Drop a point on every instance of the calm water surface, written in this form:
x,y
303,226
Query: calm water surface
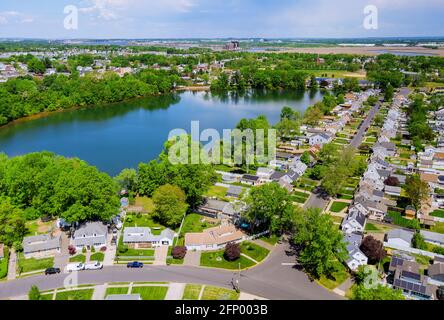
x,y
122,135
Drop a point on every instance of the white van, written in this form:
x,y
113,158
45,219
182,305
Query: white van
x,y
75,267
94,265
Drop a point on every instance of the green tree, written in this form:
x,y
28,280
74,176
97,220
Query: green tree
x,y
418,241
34,293
323,248
380,292
127,179
305,158
417,191
12,224
170,205
388,93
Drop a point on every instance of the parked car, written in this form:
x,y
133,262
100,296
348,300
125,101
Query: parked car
x,y
75,267
52,271
93,266
134,264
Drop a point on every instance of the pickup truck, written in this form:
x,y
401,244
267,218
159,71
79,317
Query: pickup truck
x,y
93,265
75,267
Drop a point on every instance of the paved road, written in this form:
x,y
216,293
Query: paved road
x,y
359,136
270,279
317,199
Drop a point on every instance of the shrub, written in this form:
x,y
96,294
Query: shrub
x,y
373,249
34,293
72,250
84,250
103,249
123,249
392,181
232,251
179,252
93,249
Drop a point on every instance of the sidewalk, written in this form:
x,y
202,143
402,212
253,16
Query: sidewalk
x,y
175,291
99,292
12,273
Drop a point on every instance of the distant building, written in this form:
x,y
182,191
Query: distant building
x,y
232,45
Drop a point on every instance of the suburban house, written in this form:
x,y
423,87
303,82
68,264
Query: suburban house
x,y
356,257
436,272
250,180
407,277
90,234
353,222
40,246
433,237
264,173
234,191
213,238
217,209
142,237
399,237
319,139
298,166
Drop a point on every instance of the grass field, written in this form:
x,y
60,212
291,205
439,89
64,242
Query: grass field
x,y
335,280
191,292
254,251
145,202
217,191
78,258
196,223
143,220
85,294
338,206
214,293
151,292
438,213
98,256
216,259
117,290
31,264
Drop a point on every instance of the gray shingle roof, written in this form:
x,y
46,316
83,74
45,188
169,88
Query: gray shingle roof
x,y
41,242
90,233
144,234
432,236
400,234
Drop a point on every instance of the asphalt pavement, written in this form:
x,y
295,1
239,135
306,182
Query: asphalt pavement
x,y
275,278
359,136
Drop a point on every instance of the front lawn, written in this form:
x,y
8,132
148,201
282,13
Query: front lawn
x,y
78,258
85,294
116,290
254,251
32,264
438,213
98,256
335,280
338,206
216,259
136,253
371,227
170,259
150,292
215,293
191,292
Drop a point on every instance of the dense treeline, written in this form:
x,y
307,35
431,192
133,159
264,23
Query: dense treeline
x,y
44,184
26,96
419,129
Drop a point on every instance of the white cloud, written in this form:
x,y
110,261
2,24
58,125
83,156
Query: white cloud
x,y
7,17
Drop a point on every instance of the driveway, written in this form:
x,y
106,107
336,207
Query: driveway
x,y
318,199
160,255
272,279
359,136
192,258
61,259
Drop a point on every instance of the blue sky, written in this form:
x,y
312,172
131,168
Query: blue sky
x,y
220,18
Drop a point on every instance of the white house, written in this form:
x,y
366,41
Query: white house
x,y
298,166
90,234
399,237
356,257
41,246
142,237
353,222
319,138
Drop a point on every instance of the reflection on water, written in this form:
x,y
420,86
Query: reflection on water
x,y
121,135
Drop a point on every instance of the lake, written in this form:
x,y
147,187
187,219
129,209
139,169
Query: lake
x,y
122,135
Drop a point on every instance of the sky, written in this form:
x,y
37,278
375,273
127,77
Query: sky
x,y
220,18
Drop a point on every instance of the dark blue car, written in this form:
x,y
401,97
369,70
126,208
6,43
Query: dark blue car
x,y
134,264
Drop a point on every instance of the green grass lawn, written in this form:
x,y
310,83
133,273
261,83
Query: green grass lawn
x,y
145,202
117,290
217,191
98,256
273,239
47,296
78,258
399,220
151,292
85,294
335,280
298,199
254,251
143,220
137,253
438,227
338,206
31,264
216,259
191,292
195,223
4,264
438,213
215,293
371,227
